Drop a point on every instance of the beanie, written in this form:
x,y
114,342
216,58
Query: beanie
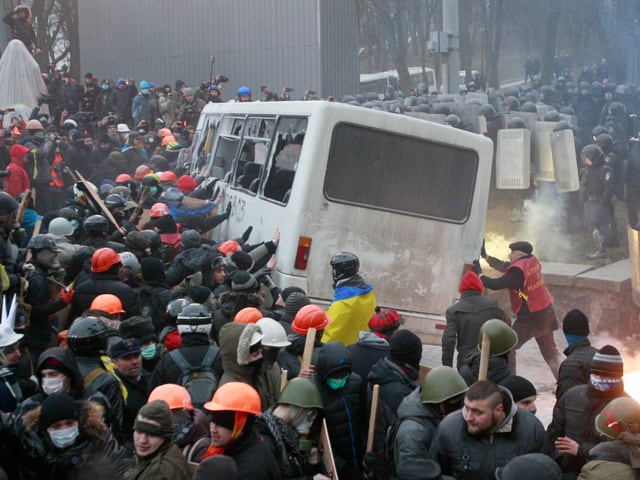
x,y
244,282
115,158
531,466
384,320
139,327
471,281
519,387
188,91
190,239
608,362
199,293
166,224
405,347
154,418
219,466
179,83
152,269
186,184
575,323
242,260
289,290
295,301
56,407
52,363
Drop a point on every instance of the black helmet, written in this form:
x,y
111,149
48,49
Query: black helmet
x,y
516,122
597,130
114,200
570,85
70,214
175,306
344,265
487,111
529,107
604,141
552,116
442,109
616,109
154,239
592,152
512,103
88,337
567,111
173,196
582,85
42,242
453,120
96,223
561,125
8,204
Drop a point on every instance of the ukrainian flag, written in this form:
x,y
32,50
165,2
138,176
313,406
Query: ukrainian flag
x,y
350,312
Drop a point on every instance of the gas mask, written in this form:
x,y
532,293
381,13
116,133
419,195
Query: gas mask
x,y
302,419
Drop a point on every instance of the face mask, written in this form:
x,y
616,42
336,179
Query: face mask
x,y
39,136
256,365
304,418
337,384
149,352
153,190
75,224
145,91
105,87
270,355
604,384
53,385
453,404
65,437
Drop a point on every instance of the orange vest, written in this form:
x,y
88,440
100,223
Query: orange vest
x,y
534,292
56,171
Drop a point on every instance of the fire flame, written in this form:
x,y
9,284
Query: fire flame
x,y
632,384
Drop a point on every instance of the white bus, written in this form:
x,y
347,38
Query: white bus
x,y
408,196
378,82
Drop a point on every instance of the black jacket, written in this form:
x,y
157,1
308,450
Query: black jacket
x,y
189,261
366,352
576,368
253,458
99,283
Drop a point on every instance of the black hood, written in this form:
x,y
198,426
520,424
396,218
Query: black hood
x,y
333,356
68,359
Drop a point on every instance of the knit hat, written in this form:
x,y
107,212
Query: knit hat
x,y
524,247
166,224
137,241
190,239
56,407
575,323
219,466
419,469
52,363
519,387
289,290
224,418
115,158
608,362
244,282
179,83
140,327
127,346
294,302
384,320
186,184
242,260
531,466
405,347
188,91
152,269
471,281
154,418
199,293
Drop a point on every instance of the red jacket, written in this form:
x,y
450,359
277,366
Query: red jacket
x,y
534,291
18,181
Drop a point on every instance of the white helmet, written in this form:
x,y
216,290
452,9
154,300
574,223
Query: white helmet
x,y
7,335
274,334
194,318
79,193
128,259
60,226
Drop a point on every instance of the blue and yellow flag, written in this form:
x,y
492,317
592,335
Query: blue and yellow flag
x,y
350,312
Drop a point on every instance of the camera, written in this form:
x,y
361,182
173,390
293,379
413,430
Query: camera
x,y
4,173
46,98
220,78
288,89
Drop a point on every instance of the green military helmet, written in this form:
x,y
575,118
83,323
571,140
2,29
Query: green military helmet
x,y
621,414
503,338
441,384
301,392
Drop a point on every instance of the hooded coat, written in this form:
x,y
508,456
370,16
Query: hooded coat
x,y
18,180
95,453
166,463
367,351
235,342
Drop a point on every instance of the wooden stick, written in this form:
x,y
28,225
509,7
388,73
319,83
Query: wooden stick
x,y
283,379
97,201
484,357
36,231
327,452
133,218
308,349
372,416
23,205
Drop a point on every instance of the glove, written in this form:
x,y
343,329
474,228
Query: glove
x,y
477,269
228,210
66,295
483,252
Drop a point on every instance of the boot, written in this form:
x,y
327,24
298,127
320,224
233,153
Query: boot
x,y
599,251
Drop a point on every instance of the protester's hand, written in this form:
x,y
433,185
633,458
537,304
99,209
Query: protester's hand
x,y
483,251
477,269
66,295
320,476
307,372
273,261
276,237
228,210
567,446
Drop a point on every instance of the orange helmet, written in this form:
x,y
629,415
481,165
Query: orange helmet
x,y
103,259
235,397
168,176
230,246
62,338
123,178
176,396
141,171
107,303
310,316
159,210
163,132
167,140
248,315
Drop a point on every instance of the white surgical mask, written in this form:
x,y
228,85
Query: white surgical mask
x,y
303,419
53,385
64,437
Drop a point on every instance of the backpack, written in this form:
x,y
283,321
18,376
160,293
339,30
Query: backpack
x,y
383,467
201,381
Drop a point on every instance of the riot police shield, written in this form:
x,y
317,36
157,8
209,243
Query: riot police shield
x,y
543,109
482,97
432,117
513,159
565,166
542,155
572,120
528,117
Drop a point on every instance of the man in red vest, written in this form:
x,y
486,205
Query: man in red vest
x,y
530,300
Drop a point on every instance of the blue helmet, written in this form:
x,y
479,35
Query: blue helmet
x,y
215,87
244,91
145,84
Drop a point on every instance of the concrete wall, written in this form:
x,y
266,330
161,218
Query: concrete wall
x,y
298,43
